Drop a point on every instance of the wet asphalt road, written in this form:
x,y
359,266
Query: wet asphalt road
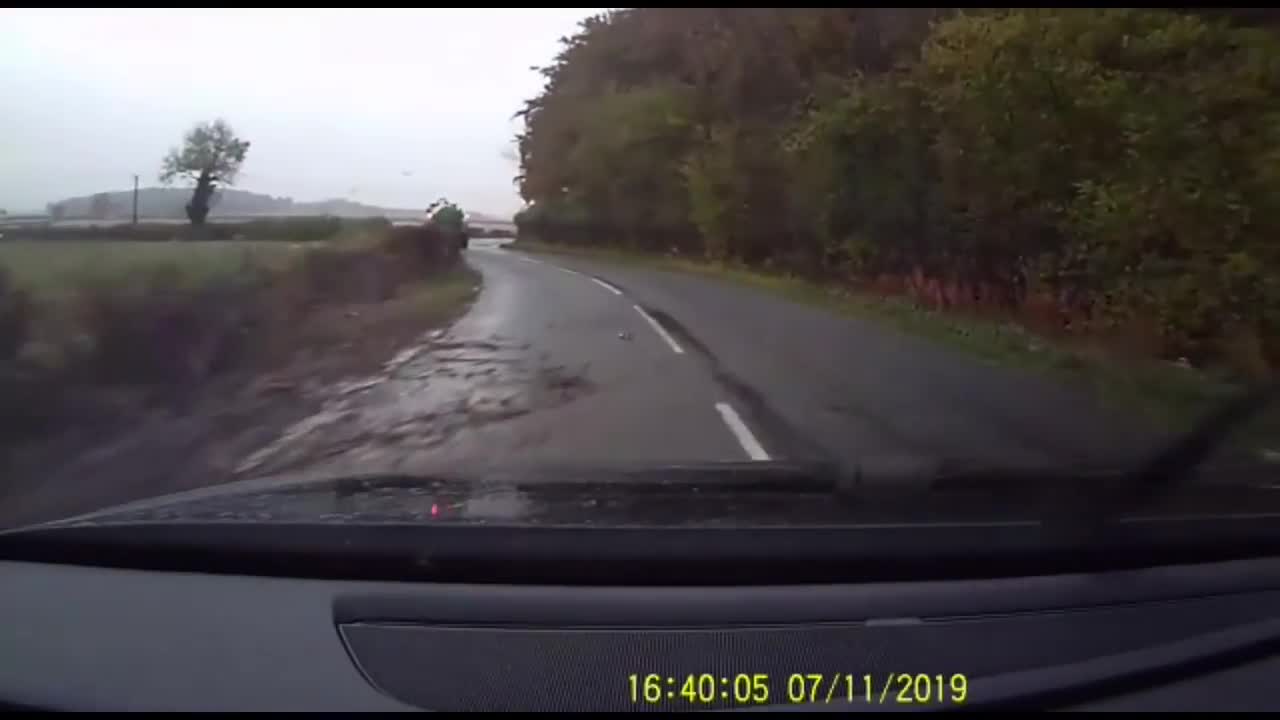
x,y
566,361
836,387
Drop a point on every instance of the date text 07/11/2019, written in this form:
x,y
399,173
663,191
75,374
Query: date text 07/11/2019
x,y
795,688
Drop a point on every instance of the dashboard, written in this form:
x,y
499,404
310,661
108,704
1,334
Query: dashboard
x,y
1176,637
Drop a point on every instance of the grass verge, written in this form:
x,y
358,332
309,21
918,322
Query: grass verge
x,y
1165,395
133,444
52,270
416,307
158,321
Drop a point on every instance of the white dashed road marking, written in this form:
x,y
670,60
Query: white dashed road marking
x,y
732,420
606,286
741,432
662,332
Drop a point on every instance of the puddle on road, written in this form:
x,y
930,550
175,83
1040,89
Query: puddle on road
x,y
423,396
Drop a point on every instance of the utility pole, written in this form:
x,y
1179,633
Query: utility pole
x,y
135,199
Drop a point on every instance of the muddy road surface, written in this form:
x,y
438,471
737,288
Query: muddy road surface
x,y
549,366
566,361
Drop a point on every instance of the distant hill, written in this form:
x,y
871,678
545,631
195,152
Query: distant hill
x,y
162,202
479,217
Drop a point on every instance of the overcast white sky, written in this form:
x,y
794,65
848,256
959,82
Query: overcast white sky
x,y
388,107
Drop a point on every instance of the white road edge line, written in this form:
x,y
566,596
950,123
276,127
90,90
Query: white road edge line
x,y
741,431
528,259
565,269
606,286
675,347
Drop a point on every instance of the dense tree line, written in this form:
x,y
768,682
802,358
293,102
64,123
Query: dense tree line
x,y
1113,171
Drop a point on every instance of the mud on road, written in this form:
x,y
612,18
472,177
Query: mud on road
x,y
339,403
421,399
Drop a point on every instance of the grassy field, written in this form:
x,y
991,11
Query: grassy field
x,y
1167,395
85,282
51,261
52,270
102,327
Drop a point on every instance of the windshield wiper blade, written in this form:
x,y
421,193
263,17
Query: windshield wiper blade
x,y
1181,458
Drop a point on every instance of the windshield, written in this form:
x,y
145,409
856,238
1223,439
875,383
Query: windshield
x,y
463,246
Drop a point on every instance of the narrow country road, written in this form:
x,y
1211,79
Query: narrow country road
x,y
566,361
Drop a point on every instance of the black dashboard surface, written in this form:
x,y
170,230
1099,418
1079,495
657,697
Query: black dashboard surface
x,y
82,637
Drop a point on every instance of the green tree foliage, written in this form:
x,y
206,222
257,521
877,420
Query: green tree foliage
x,y
444,220
211,155
1121,165
446,216
1131,155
